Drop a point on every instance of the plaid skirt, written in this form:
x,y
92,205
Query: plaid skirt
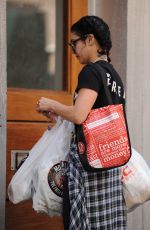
x,y
96,198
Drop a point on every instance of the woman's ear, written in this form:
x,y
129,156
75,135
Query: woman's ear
x,y
91,39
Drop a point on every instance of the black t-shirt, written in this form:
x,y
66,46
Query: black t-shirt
x,y
90,79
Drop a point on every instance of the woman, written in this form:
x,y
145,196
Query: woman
x,y
95,198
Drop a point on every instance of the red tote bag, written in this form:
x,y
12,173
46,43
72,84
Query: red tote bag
x,y
103,138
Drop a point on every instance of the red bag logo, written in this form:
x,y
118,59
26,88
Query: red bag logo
x,y
56,177
81,147
126,172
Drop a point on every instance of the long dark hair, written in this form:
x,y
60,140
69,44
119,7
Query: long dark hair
x,y
96,26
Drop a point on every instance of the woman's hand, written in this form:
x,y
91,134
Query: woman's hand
x,y
44,104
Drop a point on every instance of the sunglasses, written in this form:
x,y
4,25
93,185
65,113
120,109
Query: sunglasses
x,y
73,42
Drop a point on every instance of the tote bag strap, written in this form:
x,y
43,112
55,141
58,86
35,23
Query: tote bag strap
x,y
100,71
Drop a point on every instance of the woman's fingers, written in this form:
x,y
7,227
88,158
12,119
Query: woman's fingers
x,y
52,116
43,104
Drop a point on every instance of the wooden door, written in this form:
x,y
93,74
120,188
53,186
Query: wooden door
x,y
25,126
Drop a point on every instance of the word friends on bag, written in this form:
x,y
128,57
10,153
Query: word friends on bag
x,y
115,149
56,177
114,145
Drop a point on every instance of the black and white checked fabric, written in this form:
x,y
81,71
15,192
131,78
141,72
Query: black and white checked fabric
x,y
96,198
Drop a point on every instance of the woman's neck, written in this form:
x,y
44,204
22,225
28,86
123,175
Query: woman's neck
x,y
101,58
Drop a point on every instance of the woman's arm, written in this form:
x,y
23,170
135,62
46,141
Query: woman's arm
x,y
76,113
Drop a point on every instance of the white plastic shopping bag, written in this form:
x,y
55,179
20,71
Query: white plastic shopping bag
x,y
49,173
136,181
21,186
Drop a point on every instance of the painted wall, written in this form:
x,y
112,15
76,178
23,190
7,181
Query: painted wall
x,y
138,91
114,12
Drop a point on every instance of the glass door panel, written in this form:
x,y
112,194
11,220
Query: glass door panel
x,y
35,44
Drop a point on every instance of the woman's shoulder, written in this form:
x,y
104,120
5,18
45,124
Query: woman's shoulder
x,y
88,78
87,69
92,67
